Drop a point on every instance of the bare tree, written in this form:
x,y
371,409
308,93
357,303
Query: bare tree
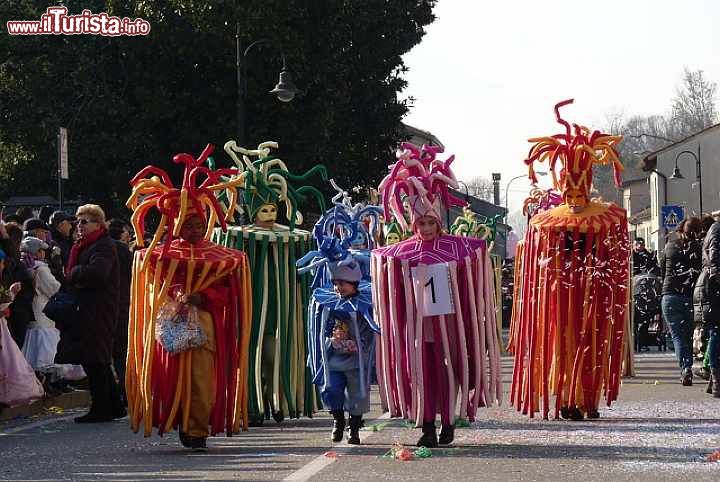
x,y
480,187
518,221
693,108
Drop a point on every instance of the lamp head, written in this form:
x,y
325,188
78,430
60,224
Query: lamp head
x,y
285,89
677,175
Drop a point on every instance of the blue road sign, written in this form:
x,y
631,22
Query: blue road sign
x,y
672,216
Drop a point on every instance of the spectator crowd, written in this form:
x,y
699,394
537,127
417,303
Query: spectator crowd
x,y
65,281
681,290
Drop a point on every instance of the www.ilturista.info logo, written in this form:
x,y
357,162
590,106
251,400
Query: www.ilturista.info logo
x,y
56,21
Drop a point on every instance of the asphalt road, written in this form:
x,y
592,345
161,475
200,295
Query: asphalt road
x,y
657,431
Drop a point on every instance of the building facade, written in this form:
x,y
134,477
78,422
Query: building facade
x,y
696,154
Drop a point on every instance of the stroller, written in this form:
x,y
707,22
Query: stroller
x,y
648,324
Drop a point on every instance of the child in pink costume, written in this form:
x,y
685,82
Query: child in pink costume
x,y
433,300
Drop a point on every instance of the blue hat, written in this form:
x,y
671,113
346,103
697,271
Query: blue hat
x,y
342,264
345,270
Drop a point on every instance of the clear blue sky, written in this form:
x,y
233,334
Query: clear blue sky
x,y
487,74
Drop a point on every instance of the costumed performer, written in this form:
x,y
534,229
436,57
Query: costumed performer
x,y
393,233
573,309
356,225
539,200
341,336
190,309
279,381
433,301
470,224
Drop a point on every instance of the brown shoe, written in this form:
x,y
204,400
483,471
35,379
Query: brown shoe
x,y
686,379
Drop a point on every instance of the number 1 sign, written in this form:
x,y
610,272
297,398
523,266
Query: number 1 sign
x,y
434,282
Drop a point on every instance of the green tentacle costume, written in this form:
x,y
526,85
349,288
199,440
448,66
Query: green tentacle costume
x,y
469,224
279,381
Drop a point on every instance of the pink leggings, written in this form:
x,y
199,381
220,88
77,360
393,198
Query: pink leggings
x,y
435,384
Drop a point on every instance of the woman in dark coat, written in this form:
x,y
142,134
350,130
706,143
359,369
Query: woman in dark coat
x,y
93,276
679,267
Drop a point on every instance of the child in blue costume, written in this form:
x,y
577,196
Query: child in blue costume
x,y
341,339
357,226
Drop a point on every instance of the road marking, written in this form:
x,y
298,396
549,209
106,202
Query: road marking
x,y
33,425
320,462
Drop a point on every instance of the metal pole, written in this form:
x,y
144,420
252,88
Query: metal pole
x,y
240,90
59,173
699,178
507,186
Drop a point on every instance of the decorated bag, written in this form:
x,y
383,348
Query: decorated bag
x,y
342,341
177,327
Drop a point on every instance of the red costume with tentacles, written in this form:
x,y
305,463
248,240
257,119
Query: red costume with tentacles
x,y
202,390
571,320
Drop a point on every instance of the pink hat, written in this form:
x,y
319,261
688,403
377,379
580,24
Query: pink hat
x,y
422,181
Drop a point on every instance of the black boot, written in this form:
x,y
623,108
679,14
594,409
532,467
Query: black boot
x,y
429,436
715,379
447,434
197,444
571,413
356,422
99,396
593,414
338,425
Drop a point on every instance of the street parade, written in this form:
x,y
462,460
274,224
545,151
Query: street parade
x,y
198,282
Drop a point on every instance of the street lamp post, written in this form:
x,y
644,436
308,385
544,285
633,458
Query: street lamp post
x,y
507,187
285,89
677,175
467,191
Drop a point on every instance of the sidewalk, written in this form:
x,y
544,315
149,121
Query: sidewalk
x,y
62,402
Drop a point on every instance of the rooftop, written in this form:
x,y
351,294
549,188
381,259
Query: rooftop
x,y
649,161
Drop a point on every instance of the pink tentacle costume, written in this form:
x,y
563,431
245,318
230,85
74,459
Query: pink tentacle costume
x,y
433,299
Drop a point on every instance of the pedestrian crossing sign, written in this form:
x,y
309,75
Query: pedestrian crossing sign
x,y
672,216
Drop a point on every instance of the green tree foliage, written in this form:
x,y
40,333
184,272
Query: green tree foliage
x,y
131,101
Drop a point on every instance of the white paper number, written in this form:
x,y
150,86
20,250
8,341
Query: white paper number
x,y
434,282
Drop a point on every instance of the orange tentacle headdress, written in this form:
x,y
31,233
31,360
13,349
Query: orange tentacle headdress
x,y
152,188
577,150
